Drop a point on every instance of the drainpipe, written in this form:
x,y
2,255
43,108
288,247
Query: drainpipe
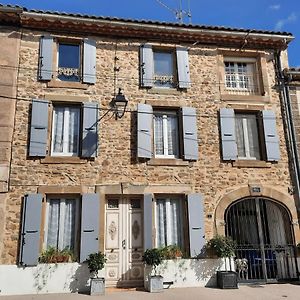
x,y
289,124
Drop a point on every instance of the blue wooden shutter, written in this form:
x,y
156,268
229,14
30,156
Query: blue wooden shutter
x,y
89,130
196,224
148,224
271,137
227,123
184,80
30,231
89,225
190,140
46,58
146,67
39,128
144,128
89,61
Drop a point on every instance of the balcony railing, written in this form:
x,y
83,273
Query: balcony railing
x,y
68,74
240,84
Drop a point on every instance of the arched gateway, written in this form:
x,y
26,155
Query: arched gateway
x,y
265,247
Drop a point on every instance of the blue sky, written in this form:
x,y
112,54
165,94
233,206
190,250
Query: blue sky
x,y
254,14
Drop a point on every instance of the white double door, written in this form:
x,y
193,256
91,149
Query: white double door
x,y
124,241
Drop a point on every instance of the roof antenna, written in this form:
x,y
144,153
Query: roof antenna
x,y
179,13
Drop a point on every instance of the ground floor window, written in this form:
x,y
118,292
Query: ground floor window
x,y
61,223
169,223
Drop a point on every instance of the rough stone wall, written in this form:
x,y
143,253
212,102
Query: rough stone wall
x,y
117,160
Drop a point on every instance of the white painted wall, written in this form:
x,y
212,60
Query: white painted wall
x,y
44,278
190,272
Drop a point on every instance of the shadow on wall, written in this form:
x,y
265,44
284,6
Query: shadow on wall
x,y
80,280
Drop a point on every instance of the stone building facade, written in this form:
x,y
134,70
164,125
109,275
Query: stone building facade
x,y
134,184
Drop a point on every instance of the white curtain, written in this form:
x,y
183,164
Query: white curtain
x,y
73,130
253,136
175,218
53,223
158,135
161,222
69,224
240,136
58,137
172,135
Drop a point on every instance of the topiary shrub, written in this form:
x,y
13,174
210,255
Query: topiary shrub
x,y
96,262
153,257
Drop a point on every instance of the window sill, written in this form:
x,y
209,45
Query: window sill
x,y
167,91
251,164
252,98
62,160
167,162
64,84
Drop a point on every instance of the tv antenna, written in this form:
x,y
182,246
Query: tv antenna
x,y
180,13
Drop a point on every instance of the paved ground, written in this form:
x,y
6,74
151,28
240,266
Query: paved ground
x,y
253,292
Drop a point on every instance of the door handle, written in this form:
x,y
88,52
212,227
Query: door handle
x,y
124,244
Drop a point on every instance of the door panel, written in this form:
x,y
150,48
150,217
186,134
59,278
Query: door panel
x,y
124,242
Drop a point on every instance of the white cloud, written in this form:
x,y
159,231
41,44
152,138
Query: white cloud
x,y
274,7
281,23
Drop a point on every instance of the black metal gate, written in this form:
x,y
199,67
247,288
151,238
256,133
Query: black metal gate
x,y
262,230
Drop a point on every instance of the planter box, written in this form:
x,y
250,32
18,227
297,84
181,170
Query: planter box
x,y
155,284
97,286
227,280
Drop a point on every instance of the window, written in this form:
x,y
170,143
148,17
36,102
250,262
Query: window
x,y
62,220
247,136
164,75
68,57
240,77
164,68
65,131
166,139
169,225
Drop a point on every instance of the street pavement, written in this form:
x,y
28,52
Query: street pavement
x,y
288,291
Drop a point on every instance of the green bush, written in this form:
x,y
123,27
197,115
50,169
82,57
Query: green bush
x,y
96,262
153,257
223,246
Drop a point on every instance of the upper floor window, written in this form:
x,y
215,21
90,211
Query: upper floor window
x,y
241,76
164,68
166,134
69,62
65,131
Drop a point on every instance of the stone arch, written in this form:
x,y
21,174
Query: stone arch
x,y
280,197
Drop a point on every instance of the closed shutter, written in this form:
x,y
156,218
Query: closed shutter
x,y
228,137
148,224
89,225
38,128
30,231
90,130
183,68
196,224
89,61
46,58
271,137
190,140
146,67
144,129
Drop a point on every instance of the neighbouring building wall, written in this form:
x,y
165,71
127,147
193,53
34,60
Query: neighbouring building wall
x,y
9,61
117,162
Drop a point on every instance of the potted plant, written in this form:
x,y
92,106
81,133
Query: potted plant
x,y
96,263
53,255
224,247
153,257
171,252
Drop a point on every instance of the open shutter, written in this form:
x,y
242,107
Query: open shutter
x,y
148,221
46,58
146,67
227,123
271,137
30,232
90,130
39,128
89,61
190,140
184,80
196,224
89,225
144,128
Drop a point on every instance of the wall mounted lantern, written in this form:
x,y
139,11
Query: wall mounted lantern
x,y
119,104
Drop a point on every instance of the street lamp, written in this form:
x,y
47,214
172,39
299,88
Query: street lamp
x,y
118,105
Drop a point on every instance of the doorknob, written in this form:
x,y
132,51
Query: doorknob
x,y
124,244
